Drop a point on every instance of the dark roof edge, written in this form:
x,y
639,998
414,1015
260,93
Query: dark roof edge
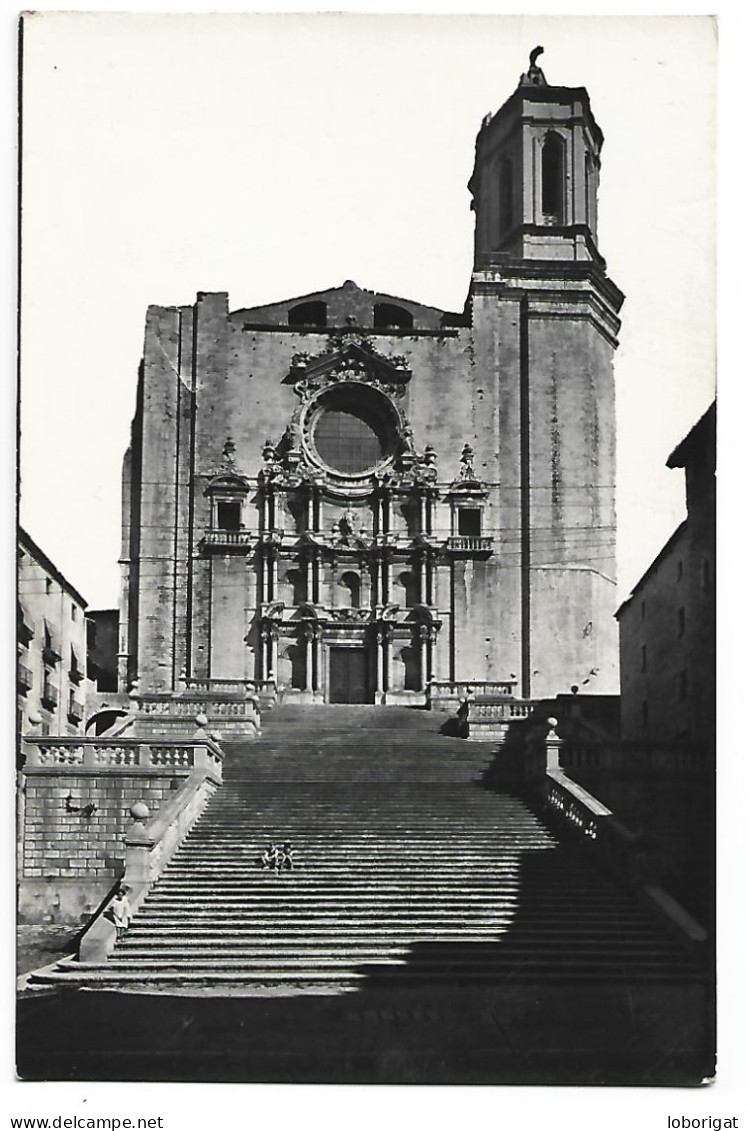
x,y
682,453
674,537
36,551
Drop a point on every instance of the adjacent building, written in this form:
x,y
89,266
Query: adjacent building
x,y
350,496
51,646
667,625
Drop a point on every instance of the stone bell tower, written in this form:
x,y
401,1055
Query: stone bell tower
x,y
545,321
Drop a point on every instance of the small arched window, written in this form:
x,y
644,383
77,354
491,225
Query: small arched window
x,y
387,314
308,314
553,179
350,582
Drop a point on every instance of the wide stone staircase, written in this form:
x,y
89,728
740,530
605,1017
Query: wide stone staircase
x,y
407,871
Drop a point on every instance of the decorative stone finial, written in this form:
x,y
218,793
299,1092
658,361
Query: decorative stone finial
x,y
201,720
534,75
467,470
139,811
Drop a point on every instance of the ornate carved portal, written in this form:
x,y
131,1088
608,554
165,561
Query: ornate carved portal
x,y
345,553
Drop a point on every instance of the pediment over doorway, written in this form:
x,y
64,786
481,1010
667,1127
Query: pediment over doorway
x,y
347,361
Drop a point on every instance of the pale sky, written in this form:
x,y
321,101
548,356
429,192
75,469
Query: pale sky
x,y
274,155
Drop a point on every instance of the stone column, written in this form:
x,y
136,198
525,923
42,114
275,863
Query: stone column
x,y
429,569
309,570
386,577
423,658
272,672
273,578
388,658
380,665
308,637
385,529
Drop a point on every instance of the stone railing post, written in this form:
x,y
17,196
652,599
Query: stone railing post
x,y
552,746
138,846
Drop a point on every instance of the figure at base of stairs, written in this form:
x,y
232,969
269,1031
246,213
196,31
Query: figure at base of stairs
x,y
119,911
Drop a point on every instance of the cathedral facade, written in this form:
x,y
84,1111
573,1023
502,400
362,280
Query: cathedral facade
x,y
353,497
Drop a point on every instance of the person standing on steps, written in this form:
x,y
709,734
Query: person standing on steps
x,y
121,912
463,712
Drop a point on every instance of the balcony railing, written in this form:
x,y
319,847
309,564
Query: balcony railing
x,y
25,679
50,696
50,653
227,539
470,544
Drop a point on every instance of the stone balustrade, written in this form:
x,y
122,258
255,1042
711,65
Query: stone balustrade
x,y
443,695
623,759
577,812
231,706
99,754
74,802
470,544
149,846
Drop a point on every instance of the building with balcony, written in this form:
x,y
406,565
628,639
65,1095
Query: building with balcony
x,y
350,496
51,645
667,624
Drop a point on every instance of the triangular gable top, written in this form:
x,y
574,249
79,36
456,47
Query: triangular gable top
x,y
348,298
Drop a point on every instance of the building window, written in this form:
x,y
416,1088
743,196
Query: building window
x,y
644,658
50,650
553,179
229,516
308,314
48,584
468,521
387,314
350,440
75,674
681,621
683,685
73,612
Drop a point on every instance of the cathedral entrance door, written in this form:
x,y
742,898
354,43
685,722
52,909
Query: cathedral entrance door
x,y
349,675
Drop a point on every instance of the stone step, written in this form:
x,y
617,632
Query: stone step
x,y
234,936
483,966
380,947
313,886
499,911
361,901
329,982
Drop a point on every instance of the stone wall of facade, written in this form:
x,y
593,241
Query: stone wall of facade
x,y
524,379
70,859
